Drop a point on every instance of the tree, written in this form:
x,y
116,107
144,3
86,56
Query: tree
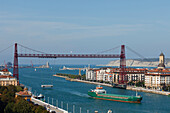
x,y
40,109
9,108
22,107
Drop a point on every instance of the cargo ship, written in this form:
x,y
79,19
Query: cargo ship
x,y
100,93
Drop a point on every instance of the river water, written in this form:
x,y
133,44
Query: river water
x,y
75,93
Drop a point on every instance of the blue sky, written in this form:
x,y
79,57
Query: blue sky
x,y
86,26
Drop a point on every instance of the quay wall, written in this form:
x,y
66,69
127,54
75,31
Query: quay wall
x,y
84,81
139,89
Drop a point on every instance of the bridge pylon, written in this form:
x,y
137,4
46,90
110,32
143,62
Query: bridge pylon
x,y
122,75
15,65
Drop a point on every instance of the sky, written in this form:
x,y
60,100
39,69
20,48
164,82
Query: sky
x,y
86,26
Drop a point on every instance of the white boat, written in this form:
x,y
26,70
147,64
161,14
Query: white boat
x,y
46,86
40,96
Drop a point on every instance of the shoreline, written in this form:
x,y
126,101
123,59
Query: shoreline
x,y
83,81
139,89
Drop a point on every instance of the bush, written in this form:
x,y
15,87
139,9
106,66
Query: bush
x,y
9,108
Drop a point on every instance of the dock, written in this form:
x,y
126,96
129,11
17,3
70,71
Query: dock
x,y
48,106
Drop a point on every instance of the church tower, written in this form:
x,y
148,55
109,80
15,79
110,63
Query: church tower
x,y
161,64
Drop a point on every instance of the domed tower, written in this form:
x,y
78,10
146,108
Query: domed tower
x,y
161,64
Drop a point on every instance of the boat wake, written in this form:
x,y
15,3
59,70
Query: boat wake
x,y
80,94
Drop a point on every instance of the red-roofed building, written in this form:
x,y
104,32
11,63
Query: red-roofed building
x,y
6,80
25,94
5,72
159,77
132,74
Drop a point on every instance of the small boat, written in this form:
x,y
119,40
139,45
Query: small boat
x,y
46,86
100,93
40,96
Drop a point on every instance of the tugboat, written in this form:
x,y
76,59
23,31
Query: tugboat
x,y
100,93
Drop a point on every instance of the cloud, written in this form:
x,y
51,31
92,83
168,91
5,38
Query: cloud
x,y
65,30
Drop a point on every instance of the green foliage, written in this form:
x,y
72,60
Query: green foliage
x,y
9,108
40,109
10,104
19,88
22,106
70,75
140,84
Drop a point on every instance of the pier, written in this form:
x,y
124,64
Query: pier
x,y
48,106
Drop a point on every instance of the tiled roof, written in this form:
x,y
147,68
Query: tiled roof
x,y
5,70
159,70
2,76
23,93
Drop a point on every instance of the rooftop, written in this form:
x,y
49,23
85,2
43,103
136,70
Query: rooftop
x,y
2,76
23,93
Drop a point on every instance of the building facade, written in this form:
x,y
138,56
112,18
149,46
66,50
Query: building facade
x,y
157,78
132,75
7,80
112,74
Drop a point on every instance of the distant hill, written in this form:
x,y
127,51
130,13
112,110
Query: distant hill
x,y
150,62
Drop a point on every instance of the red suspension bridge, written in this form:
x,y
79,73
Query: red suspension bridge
x,y
44,55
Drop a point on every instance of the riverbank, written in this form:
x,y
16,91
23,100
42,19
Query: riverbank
x,y
139,89
83,81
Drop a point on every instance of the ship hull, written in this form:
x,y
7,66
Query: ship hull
x,y
119,98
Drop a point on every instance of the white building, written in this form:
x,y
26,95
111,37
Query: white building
x,y
7,80
97,74
132,75
158,78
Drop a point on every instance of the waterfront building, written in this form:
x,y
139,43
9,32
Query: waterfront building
x,y
132,75
159,77
91,74
25,94
6,80
108,77
112,74
97,74
5,72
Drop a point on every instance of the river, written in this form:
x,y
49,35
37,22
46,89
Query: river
x,y
75,93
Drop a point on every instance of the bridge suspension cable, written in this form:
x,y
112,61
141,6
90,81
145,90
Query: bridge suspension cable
x,y
141,56
6,48
109,49
32,49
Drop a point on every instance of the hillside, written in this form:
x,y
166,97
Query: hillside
x,y
152,62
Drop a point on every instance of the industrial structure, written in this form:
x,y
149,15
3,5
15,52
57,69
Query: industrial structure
x,y
43,55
